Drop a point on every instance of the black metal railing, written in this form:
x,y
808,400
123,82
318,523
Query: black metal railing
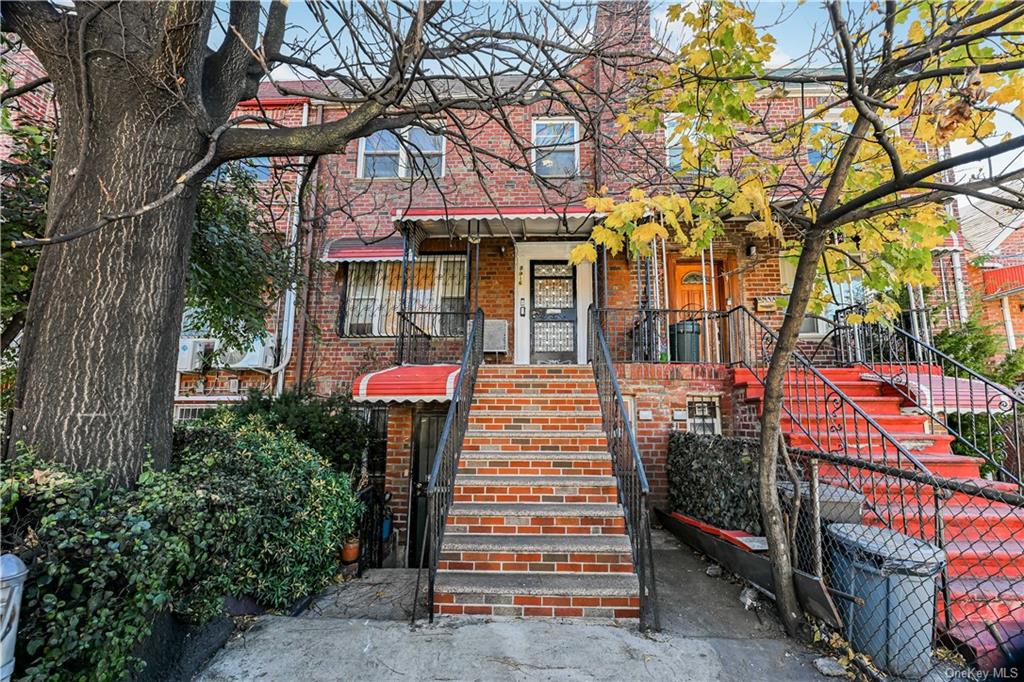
x,y
441,485
371,528
986,419
634,490
663,335
821,416
429,336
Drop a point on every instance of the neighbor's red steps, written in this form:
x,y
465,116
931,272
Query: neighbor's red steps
x,y
984,540
535,528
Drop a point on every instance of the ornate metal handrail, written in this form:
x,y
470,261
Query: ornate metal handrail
x,y
835,423
645,335
988,417
634,490
441,485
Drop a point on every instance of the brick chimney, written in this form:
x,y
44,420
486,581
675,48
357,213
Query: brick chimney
x,y
623,24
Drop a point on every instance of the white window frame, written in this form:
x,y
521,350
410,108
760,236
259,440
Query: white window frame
x,y
704,398
787,273
575,144
403,156
672,120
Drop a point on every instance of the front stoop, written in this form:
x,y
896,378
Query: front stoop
x,y
535,528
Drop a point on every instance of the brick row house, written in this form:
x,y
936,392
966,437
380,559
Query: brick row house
x,y
409,235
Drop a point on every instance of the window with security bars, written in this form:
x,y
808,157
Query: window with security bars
x,y
188,412
702,416
372,298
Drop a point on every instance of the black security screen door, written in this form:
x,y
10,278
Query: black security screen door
x,y
552,312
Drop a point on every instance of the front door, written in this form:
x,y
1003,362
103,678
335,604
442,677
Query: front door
x,y
552,312
427,427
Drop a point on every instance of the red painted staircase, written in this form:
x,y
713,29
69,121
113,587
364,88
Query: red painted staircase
x,y
984,539
535,528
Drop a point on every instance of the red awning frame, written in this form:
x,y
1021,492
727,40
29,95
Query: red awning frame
x,y
407,384
356,250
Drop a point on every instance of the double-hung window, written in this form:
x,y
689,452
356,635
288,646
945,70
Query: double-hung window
x,y
411,152
844,293
556,147
372,299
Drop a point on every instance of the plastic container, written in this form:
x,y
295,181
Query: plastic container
x,y
895,575
12,580
684,341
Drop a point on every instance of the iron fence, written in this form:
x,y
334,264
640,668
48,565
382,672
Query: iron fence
x,y
986,419
928,572
664,335
633,488
441,485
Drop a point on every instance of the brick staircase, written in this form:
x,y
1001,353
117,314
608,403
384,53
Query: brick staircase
x,y
535,528
984,540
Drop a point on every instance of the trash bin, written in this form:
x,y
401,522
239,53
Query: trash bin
x,y
836,505
684,341
12,580
895,576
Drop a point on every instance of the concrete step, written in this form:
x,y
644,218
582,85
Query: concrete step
x,y
526,371
552,423
872,442
537,543
536,518
549,489
538,594
535,463
561,441
821,420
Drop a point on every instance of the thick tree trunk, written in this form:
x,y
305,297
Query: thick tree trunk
x,y
779,550
96,376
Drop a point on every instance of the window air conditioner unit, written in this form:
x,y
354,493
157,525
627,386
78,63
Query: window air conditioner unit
x,y
193,352
495,336
261,356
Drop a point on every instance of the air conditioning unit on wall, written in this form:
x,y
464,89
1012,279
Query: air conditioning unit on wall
x,y
495,336
192,353
261,356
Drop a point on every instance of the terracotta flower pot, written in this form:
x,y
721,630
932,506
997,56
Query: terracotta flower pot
x,y
350,551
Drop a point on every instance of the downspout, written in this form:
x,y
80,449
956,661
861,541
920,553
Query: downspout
x,y
300,352
1011,340
958,280
288,323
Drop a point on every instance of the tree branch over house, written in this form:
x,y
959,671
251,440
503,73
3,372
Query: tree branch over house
x,y
149,98
863,195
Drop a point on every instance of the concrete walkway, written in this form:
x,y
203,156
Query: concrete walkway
x,y
706,635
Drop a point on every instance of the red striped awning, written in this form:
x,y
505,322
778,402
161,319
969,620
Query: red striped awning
x,y
354,249
493,213
408,383
947,394
1003,281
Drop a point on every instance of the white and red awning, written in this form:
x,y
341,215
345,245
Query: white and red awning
x,y
407,384
493,213
1002,282
355,250
947,394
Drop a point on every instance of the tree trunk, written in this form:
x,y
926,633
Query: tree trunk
x,y
95,383
778,545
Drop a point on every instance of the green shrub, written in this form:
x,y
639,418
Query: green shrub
x,y
714,479
245,510
328,425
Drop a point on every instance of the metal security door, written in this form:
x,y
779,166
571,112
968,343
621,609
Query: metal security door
x,y
552,312
427,427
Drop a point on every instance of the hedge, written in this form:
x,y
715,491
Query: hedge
x,y
714,479
329,425
245,510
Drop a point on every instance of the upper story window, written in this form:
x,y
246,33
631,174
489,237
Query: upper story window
x,y
824,136
673,145
556,147
411,152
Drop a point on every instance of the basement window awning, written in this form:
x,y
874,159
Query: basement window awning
x,y
355,250
407,384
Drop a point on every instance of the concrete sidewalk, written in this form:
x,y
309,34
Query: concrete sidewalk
x,y
706,635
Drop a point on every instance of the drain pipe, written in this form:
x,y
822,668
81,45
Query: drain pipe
x,y
958,279
288,322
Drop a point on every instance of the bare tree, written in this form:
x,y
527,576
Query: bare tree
x,y
146,93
